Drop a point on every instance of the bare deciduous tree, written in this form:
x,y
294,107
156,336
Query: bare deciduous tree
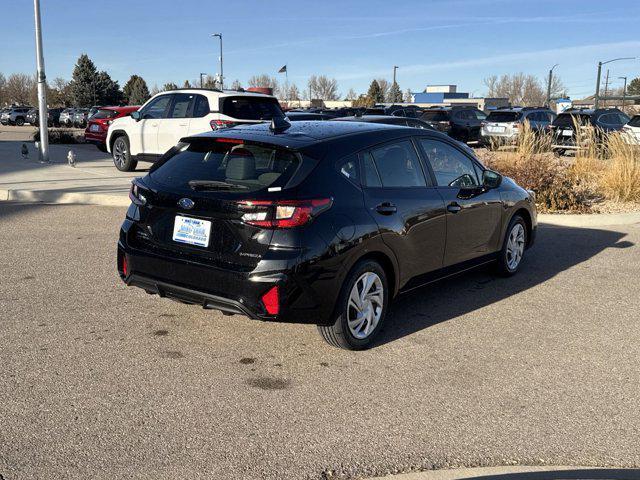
x,y
323,87
520,89
236,85
385,86
351,95
18,88
264,80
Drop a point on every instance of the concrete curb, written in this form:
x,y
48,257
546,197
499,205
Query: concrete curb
x,y
589,220
62,197
513,472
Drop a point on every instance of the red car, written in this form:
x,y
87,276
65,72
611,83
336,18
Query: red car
x,y
98,124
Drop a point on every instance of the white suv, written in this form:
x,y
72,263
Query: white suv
x,y
165,118
632,131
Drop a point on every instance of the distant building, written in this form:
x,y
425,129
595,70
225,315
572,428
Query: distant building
x,y
563,104
448,96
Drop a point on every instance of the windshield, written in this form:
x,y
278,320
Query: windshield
x,y
105,114
221,165
503,117
251,108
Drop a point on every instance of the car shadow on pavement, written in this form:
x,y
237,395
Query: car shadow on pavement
x,y
578,474
556,249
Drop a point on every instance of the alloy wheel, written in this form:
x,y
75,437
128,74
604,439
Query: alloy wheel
x,y
120,153
515,246
366,302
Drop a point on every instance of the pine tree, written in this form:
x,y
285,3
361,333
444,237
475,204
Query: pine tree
x,y
84,82
107,90
169,86
634,88
186,84
395,94
136,91
375,92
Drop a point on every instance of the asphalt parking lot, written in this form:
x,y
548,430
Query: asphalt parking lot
x,y
101,381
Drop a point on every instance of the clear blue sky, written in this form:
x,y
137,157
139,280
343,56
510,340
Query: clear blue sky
x,y
432,41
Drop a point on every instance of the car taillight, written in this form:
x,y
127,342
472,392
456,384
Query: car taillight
x,y
125,265
516,125
136,195
271,301
282,213
218,124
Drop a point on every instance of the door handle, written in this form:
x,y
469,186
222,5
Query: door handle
x,y
454,207
182,124
386,208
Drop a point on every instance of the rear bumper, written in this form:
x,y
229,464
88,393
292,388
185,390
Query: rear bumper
x,y
303,298
95,137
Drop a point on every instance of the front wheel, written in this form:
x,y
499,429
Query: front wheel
x,y
360,310
20,122
122,155
513,248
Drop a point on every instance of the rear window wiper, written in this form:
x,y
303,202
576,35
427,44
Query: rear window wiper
x,y
215,185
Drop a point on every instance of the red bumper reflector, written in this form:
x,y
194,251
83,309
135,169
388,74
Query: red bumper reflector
x,y
271,301
125,267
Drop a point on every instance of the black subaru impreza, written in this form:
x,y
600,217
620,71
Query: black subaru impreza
x,y
318,222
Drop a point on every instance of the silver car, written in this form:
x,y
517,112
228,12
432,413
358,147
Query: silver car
x,y
66,117
80,117
504,125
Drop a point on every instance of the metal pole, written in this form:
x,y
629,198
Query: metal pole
x,y
624,92
606,89
597,98
221,71
42,88
201,82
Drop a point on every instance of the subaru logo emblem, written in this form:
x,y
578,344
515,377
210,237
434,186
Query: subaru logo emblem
x,y
186,203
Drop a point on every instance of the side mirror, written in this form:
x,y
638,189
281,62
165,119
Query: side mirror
x,y
491,179
136,116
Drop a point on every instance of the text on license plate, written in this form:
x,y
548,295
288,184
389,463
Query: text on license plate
x,y
567,133
95,128
193,231
496,129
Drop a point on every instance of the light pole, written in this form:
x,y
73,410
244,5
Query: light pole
x,y
600,64
395,67
549,85
624,91
42,88
201,82
219,35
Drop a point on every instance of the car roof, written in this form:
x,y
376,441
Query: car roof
x,y
368,118
213,92
299,134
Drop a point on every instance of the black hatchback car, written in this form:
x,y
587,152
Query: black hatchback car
x,y
603,120
317,222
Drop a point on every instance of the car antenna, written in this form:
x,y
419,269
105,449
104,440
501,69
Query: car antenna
x,y
279,124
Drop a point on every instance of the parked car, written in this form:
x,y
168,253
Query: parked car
x,y
318,222
53,115
92,111
411,111
461,123
603,120
169,116
302,116
503,126
632,130
66,117
98,124
15,116
80,117
389,120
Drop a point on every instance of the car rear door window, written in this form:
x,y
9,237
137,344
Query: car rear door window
x,y
349,168
201,106
451,167
398,165
157,107
370,174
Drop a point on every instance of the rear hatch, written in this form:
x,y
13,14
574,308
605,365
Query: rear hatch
x,y
215,201
501,122
564,126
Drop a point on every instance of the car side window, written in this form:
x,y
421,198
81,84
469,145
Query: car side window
x,y
181,103
369,172
349,168
451,167
157,107
201,107
398,165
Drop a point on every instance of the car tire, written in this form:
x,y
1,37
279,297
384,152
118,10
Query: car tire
x,y
102,147
121,154
348,331
19,121
513,247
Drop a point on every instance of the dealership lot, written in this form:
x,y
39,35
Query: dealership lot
x,y
477,370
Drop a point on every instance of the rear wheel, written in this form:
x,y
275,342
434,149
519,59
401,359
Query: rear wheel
x,y
122,155
514,246
19,121
361,308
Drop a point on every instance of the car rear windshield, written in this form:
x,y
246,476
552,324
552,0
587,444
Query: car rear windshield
x,y
435,116
635,121
569,120
226,165
250,108
105,114
503,117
